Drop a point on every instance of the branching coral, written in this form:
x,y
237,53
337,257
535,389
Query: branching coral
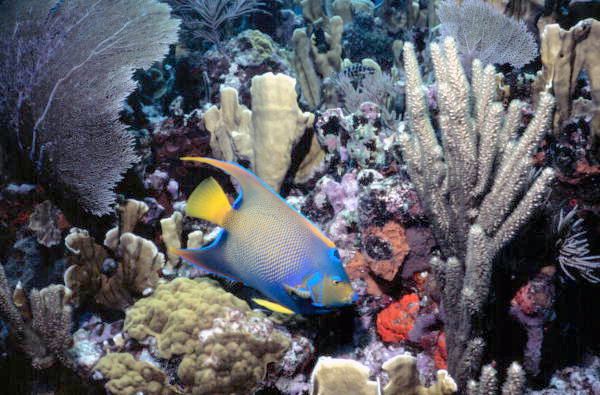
x,y
474,186
117,275
564,54
41,327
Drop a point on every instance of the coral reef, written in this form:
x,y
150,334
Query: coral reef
x,y
427,177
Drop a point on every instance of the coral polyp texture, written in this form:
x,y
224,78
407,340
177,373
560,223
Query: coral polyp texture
x,y
214,342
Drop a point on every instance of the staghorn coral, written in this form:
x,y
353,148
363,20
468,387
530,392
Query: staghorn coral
x,y
119,272
217,343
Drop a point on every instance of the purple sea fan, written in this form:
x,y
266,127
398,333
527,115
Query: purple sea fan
x,y
483,32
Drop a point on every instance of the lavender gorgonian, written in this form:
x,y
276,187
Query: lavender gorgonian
x,y
483,32
65,71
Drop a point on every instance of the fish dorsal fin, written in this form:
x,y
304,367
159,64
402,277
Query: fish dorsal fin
x,y
267,304
208,202
254,188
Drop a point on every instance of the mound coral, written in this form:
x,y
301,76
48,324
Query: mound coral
x,y
216,342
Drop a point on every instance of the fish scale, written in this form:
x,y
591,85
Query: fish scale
x,y
268,245
252,229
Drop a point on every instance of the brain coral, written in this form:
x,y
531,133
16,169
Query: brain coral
x,y
223,345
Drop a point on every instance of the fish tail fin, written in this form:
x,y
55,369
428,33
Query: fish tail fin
x,y
208,202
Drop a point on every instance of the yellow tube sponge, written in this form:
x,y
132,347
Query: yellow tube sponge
x,y
564,54
264,136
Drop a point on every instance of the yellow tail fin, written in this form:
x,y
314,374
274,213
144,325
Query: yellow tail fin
x,y
208,202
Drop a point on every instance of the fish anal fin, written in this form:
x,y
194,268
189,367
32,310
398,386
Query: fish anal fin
x,y
199,258
208,202
276,307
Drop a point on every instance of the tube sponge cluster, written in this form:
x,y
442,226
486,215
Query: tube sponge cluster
x,y
222,345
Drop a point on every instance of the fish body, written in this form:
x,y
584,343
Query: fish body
x,y
268,245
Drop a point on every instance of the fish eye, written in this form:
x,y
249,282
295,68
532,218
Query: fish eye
x,y
336,280
336,254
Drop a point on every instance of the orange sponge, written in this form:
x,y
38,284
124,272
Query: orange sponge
x,y
395,321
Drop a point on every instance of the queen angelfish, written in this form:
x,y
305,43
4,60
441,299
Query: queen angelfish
x,y
267,245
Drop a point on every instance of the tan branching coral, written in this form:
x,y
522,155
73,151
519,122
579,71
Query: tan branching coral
x,y
172,229
119,272
345,376
130,213
312,65
41,327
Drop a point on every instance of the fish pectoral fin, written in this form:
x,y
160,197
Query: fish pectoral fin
x,y
267,304
208,202
303,293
